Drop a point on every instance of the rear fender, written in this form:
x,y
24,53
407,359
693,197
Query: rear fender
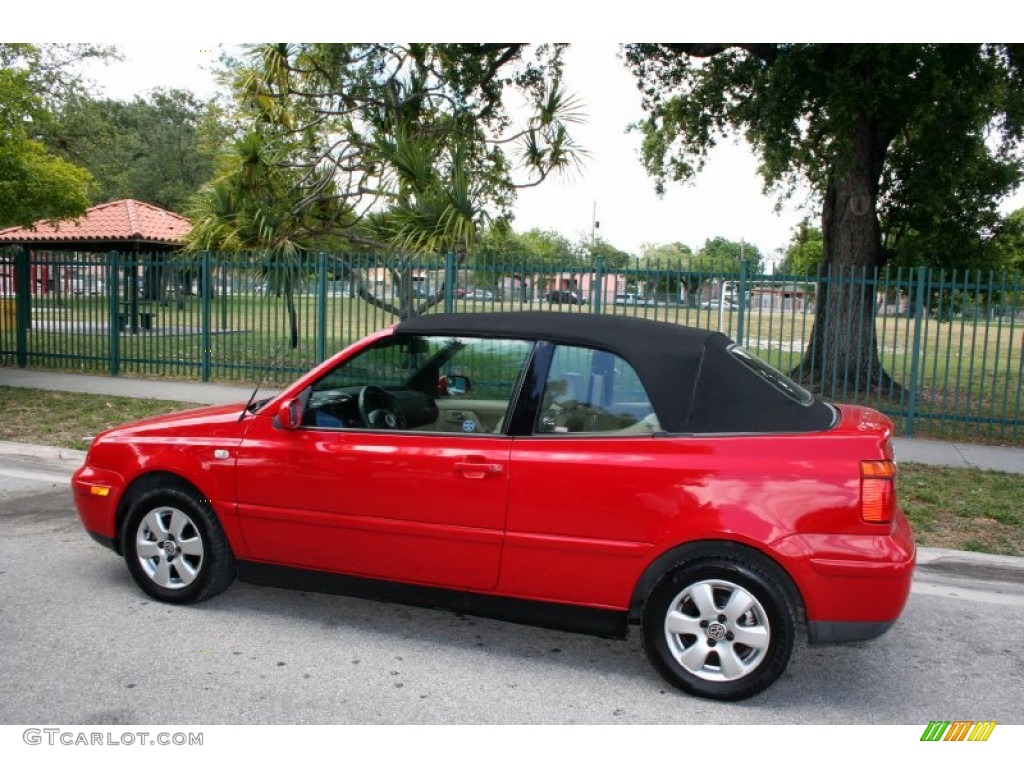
x,y
705,550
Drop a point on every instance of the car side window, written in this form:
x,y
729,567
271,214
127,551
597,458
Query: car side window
x,y
477,385
423,383
590,391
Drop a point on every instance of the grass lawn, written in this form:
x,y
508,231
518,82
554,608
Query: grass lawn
x,y
70,420
965,509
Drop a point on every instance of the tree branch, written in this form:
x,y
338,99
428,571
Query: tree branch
x,y
766,52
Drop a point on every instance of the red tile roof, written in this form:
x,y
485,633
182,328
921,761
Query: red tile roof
x,y
120,220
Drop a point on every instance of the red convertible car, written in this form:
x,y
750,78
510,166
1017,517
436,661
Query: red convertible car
x,y
568,470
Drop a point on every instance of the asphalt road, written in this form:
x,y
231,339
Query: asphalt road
x,y
82,645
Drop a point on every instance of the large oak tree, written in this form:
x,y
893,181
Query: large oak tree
x,y
912,133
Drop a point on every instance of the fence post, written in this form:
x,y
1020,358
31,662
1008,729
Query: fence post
x,y
743,302
597,289
113,312
22,304
919,298
207,337
223,294
321,310
449,283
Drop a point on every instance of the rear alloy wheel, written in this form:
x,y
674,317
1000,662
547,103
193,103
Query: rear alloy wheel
x,y
719,628
175,547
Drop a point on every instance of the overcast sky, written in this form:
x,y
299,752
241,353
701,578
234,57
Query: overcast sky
x,y
726,199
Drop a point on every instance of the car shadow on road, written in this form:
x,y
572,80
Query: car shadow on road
x,y
824,684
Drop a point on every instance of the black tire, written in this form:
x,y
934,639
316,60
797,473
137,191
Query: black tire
x,y
720,627
175,548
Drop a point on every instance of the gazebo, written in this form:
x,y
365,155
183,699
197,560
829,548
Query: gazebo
x,y
122,225
125,226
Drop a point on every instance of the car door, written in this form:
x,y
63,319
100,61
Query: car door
x,y
592,487
425,504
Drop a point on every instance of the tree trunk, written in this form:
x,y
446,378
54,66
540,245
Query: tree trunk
x,y
293,317
842,359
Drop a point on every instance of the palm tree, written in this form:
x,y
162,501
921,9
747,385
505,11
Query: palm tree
x,y
250,208
374,144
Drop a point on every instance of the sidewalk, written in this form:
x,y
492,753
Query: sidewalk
x,y
952,562
156,389
963,455
918,450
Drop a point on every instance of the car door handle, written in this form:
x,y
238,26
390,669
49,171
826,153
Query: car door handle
x,y
478,469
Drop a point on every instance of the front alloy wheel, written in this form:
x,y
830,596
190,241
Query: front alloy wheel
x,y
169,548
175,548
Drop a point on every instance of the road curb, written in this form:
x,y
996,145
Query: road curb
x,y
975,565
47,453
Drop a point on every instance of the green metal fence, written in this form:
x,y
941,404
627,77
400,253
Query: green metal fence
x,y
951,342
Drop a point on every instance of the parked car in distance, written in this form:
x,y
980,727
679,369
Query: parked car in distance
x,y
564,297
480,294
633,300
582,472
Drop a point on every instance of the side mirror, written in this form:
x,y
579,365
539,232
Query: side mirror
x,y
289,415
458,385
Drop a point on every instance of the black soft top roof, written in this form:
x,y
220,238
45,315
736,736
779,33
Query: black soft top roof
x,y
693,382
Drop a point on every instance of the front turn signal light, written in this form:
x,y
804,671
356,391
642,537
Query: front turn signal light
x,y
99,490
877,491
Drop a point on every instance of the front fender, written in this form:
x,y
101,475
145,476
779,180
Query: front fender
x,y
133,467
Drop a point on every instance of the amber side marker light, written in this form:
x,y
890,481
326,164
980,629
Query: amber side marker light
x,y
877,491
99,490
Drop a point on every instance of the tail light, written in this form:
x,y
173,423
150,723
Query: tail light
x,y
877,491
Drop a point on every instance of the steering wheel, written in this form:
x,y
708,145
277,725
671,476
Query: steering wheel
x,y
379,409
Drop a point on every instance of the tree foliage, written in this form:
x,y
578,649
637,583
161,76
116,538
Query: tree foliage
x,y
665,252
543,248
722,253
611,256
675,266
419,132
159,149
804,252
34,183
408,147
547,249
718,254
1008,242
254,206
901,136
